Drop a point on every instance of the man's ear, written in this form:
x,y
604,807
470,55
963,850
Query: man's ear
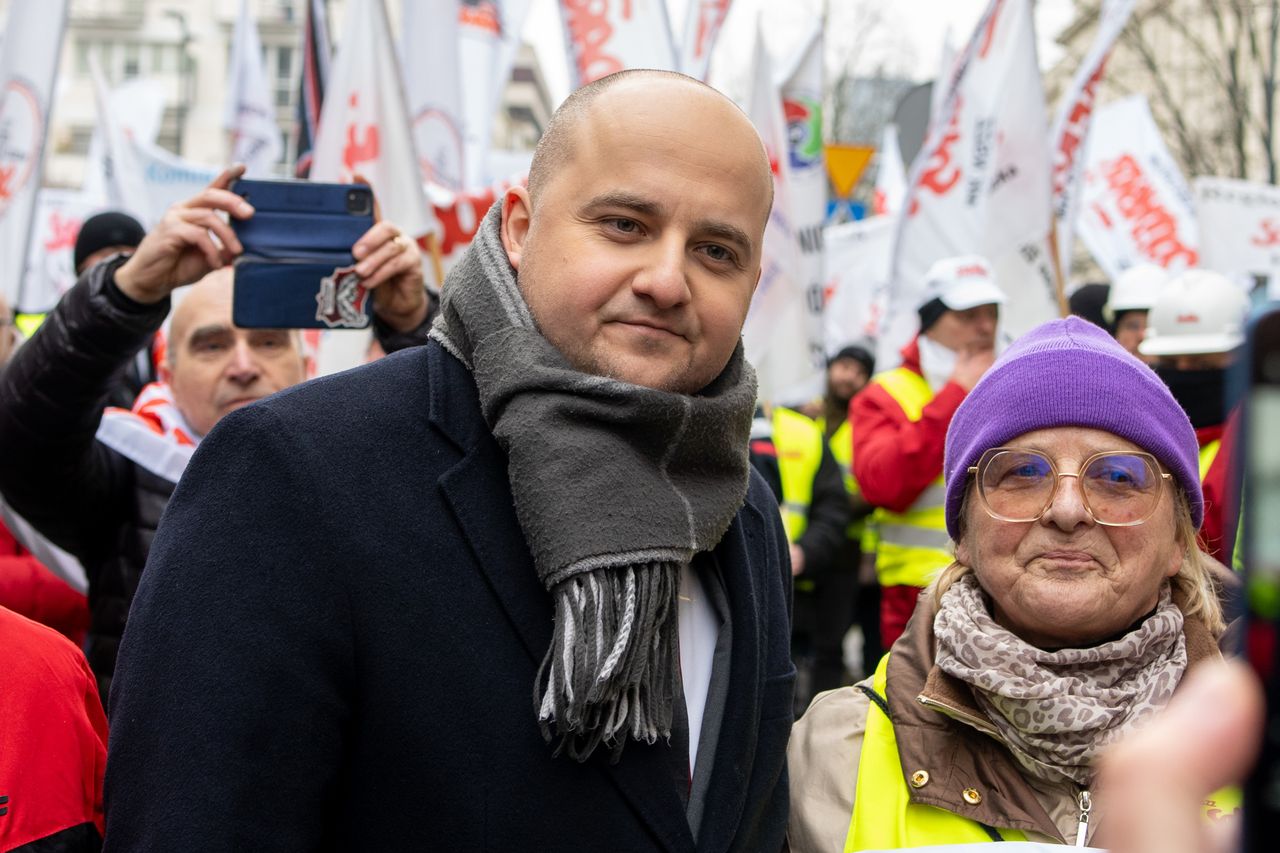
x,y
517,218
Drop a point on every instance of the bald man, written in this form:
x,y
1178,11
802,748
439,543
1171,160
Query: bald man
x,y
513,590
97,484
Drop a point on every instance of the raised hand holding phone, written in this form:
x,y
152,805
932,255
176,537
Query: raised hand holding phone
x,y
191,240
390,265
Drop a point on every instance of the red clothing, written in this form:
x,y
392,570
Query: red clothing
x,y
27,587
53,743
895,460
1221,502
897,603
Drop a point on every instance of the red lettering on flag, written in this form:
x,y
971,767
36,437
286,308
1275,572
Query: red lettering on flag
x,y
1153,227
990,33
590,33
62,232
941,174
1270,235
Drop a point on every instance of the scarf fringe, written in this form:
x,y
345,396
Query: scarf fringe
x,y
608,671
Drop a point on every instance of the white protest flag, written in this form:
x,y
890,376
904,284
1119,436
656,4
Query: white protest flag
x,y
1135,206
488,35
891,175
249,112
28,65
858,255
50,269
981,183
943,79
429,60
702,22
122,179
168,178
1239,224
775,335
807,179
606,36
364,129
1070,130
137,108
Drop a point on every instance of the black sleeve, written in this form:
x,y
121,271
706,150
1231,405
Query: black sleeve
x,y
391,340
232,691
52,394
829,517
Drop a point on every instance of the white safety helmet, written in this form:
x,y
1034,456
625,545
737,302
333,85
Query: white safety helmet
x,y
1197,312
1135,289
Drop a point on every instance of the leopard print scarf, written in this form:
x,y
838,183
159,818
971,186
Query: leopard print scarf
x,y
1057,710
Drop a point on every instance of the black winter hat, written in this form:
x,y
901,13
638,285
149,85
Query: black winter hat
x,y
858,354
103,230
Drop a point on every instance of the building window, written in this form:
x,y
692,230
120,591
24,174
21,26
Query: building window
x,y
80,136
132,61
82,57
283,80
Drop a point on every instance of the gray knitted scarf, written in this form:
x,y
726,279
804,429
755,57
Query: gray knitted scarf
x,y
616,487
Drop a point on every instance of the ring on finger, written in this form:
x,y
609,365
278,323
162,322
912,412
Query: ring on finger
x,y
401,241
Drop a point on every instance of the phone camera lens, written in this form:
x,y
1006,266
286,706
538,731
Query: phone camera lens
x,y
359,202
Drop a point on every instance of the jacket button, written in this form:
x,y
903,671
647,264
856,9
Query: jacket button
x,y
971,796
920,778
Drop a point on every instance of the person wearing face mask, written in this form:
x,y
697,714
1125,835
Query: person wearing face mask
x,y
900,424
1194,330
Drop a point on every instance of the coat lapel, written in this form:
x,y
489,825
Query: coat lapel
x,y
477,490
740,725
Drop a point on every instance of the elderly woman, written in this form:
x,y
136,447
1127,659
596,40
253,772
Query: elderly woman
x,y
1077,600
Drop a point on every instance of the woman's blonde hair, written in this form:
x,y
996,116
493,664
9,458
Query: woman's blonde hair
x,y
1193,584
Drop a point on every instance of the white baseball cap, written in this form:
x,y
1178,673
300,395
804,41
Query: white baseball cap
x,y
1197,312
961,283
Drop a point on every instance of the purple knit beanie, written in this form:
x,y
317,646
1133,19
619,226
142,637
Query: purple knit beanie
x,y
1070,373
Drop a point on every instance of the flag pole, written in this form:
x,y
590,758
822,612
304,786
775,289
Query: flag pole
x,y
1060,281
437,259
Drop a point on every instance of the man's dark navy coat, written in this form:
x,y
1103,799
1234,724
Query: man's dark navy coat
x,y
335,642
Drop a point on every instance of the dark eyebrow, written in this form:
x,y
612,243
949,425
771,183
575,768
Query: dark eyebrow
x,y
648,207
629,201
205,333
728,233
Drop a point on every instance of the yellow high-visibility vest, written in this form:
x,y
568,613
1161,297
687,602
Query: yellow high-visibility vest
x,y
1208,453
914,545
884,818
799,444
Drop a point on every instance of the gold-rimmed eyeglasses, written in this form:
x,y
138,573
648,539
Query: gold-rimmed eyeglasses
x,y
1120,488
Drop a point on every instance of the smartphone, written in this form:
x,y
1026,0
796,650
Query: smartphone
x,y
297,271
1261,549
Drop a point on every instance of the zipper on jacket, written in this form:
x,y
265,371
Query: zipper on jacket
x,y
977,722
1086,806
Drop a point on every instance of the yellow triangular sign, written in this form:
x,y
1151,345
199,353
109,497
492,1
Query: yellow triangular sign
x,y
845,164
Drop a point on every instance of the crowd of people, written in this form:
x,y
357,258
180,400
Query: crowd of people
x,y
550,576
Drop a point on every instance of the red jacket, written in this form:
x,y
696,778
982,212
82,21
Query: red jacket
x,y
895,460
27,587
1221,502
53,741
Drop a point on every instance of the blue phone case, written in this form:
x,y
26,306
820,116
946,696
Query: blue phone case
x,y
297,270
